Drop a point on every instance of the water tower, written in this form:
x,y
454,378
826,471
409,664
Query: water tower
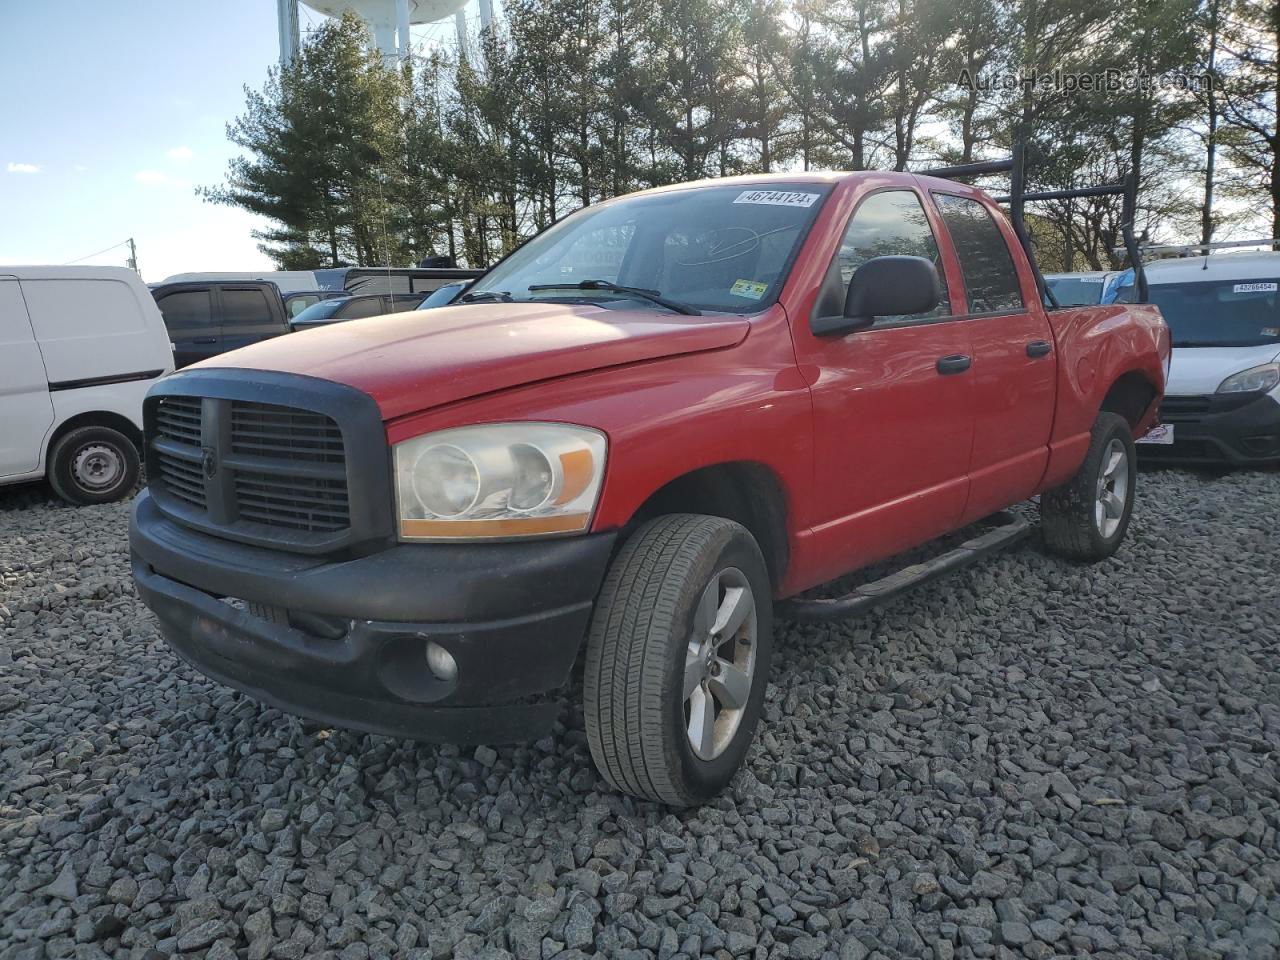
x,y
389,19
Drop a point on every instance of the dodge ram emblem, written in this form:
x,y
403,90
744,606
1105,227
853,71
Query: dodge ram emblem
x,y
209,461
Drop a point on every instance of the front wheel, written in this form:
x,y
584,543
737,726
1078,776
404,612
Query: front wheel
x,y
1086,518
678,658
93,465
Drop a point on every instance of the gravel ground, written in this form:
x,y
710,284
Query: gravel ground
x,y
1029,759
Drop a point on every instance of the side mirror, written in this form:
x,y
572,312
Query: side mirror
x,y
884,287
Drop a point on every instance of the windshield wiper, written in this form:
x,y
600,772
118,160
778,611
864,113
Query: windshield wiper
x,y
480,295
653,296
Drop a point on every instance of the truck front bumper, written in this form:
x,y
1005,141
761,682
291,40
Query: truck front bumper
x,y
1234,429
351,649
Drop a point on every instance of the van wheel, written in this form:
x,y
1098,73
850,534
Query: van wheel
x,y
678,658
1086,518
93,465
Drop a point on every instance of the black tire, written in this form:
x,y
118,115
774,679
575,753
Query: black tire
x,y
637,647
1069,516
93,465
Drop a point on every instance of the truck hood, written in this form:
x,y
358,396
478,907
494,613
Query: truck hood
x,y
1195,371
409,362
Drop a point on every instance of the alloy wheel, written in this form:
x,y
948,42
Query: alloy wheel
x,y
1113,489
720,663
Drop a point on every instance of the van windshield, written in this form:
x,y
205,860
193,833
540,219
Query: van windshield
x,y
1217,313
717,248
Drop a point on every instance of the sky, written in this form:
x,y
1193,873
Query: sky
x,y
115,113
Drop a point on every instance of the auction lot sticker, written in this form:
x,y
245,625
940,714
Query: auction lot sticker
x,y
1254,288
777,198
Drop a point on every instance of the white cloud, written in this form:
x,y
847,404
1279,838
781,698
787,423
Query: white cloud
x,y
180,153
23,168
151,177
80,168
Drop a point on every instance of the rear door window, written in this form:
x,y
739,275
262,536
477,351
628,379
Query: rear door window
x,y
244,306
186,310
990,280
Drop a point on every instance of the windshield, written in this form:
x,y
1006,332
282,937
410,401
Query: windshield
x,y
720,248
320,311
1076,291
441,296
1216,313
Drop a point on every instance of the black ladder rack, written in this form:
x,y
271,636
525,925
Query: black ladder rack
x,y
1017,197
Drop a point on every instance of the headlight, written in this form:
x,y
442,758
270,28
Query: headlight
x,y
1253,380
498,481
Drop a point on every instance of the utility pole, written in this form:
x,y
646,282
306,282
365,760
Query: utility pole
x,y
133,257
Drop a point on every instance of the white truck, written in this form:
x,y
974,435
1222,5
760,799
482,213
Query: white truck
x,y
1222,401
79,348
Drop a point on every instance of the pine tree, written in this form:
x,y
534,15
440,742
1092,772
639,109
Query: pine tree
x,y
324,145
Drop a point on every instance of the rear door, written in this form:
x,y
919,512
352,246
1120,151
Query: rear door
x,y
1014,364
893,403
188,316
26,412
248,314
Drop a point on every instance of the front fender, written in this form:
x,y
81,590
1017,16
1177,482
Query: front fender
x,y
668,417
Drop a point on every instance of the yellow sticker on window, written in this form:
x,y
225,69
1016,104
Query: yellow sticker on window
x,y
749,289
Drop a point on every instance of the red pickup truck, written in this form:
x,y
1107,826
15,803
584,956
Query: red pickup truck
x,y
638,434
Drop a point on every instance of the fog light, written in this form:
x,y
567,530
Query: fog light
x,y
441,662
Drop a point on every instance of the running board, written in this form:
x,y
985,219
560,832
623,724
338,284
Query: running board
x,y
1012,529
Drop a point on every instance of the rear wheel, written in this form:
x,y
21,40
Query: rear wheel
x,y
678,659
1087,517
93,465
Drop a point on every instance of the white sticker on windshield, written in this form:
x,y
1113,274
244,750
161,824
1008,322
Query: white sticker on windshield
x,y
1090,279
777,198
1254,288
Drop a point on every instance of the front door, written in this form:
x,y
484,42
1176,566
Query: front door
x,y
893,406
26,412
1014,363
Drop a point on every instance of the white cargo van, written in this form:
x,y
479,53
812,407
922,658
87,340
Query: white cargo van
x,y
1222,400
79,346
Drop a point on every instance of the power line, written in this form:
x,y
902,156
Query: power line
x,y
100,252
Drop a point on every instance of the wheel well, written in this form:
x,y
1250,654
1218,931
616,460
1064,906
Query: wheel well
x,y
748,493
1130,396
96,418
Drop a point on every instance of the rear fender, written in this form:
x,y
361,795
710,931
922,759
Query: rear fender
x,y
1097,347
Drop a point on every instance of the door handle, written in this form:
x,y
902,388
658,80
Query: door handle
x,y
205,340
1039,348
957,363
